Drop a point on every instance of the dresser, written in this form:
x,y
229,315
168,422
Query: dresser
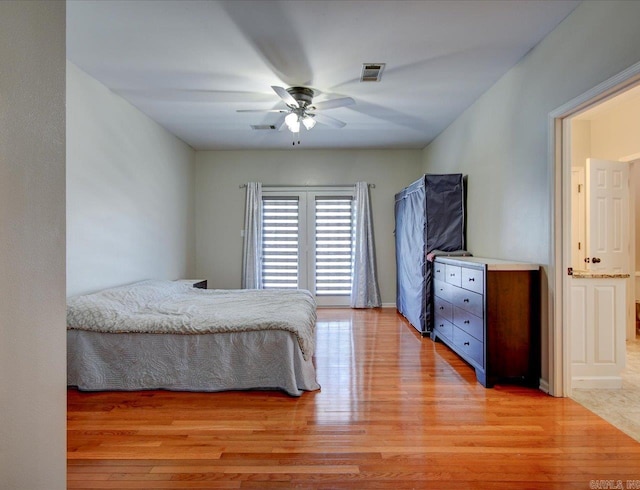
x,y
488,312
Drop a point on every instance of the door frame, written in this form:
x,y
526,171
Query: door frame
x,y
578,216
559,174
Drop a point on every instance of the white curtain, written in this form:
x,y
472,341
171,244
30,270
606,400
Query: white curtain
x,y
364,290
252,244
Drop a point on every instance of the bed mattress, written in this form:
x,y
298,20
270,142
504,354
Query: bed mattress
x,y
167,335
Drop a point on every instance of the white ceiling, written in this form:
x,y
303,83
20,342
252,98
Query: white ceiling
x,y
189,65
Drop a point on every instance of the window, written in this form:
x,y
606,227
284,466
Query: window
x,y
307,242
280,242
333,246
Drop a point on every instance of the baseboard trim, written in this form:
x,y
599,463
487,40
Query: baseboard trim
x,y
544,386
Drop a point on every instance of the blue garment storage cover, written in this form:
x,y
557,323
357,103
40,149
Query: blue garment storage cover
x,y
429,216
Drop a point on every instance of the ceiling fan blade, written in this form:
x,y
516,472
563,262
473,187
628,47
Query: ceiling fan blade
x,y
329,121
277,41
333,103
261,110
280,124
189,95
286,96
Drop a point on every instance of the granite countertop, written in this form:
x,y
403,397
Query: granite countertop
x,y
599,275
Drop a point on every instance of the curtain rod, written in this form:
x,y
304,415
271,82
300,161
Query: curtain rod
x,y
242,186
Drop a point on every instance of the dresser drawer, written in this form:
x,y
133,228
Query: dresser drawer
x,y
443,290
473,325
443,328
473,279
442,309
470,348
453,274
467,300
438,272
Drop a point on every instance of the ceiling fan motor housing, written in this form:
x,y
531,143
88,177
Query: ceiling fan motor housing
x,y
303,95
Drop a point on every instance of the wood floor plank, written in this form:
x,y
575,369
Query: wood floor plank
x,y
395,411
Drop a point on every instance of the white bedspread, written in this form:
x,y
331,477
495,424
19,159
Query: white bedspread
x,y
170,307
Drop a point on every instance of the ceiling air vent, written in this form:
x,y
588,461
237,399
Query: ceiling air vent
x,y
371,72
263,127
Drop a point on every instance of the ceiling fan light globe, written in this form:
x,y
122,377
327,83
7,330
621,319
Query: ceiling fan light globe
x,y
308,122
291,119
295,127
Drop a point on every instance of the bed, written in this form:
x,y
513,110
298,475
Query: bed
x,y
169,335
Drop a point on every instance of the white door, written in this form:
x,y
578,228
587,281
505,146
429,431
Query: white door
x,y
607,216
330,254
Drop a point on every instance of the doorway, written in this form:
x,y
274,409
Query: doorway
x,y
601,312
624,86
308,242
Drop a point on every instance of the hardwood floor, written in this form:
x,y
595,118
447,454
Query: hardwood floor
x,y
395,412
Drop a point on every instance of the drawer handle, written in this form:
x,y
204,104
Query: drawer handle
x,y
472,279
442,325
452,275
466,322
437,270
466,343
442,307
466,300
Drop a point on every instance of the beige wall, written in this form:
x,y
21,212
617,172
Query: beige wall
x,y
32,246
580,142
501,142
130,192
220,203
615,130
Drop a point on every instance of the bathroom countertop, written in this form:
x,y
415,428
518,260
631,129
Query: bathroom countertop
x,y
599,275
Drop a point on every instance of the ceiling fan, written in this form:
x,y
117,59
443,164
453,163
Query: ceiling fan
x,y
302,111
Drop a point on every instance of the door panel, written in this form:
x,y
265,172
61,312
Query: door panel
x,y
281,241
607,215
330,257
